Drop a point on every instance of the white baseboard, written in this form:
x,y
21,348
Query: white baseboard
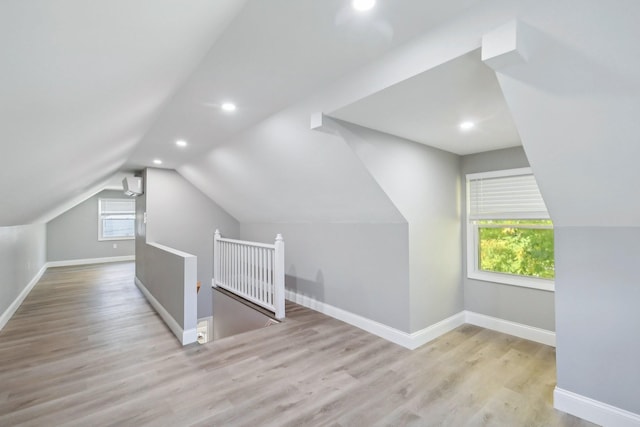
x,y
184,336
11,310
512,328
419,338
593,410
404,339
86,261
436,330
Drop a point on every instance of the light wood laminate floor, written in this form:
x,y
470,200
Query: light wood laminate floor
x,y
85,349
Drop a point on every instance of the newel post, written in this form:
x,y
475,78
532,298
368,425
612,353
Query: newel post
x,y
216,258
278,271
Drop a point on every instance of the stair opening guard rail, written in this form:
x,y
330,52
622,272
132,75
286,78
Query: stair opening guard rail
x,y
253,271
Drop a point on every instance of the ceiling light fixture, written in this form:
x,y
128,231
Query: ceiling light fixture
x,y
363,5
157,161
466,126
181,143
228,107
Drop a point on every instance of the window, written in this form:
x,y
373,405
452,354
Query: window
x,y
509,233
116,219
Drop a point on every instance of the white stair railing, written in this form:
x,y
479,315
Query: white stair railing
x,y
253,271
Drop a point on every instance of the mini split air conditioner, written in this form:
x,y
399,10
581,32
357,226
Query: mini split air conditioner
x,y
132,186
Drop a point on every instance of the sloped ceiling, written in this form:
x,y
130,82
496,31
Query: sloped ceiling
x,y
276,53
576,102
91,88
429,107
80,84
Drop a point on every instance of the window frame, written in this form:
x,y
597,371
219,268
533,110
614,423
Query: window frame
x,y
473,241
101,238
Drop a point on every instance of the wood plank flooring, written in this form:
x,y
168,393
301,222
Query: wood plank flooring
x,y
85,349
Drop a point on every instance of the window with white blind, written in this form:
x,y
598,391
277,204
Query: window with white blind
x,y
509,233
116,219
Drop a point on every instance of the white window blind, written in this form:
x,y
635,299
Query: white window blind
x,y
510,194
116,219
117,206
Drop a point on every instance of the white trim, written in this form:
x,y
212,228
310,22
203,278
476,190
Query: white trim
x,y
71,262
101,238
419,338
508,279
520,330
593,410
404,339
108,239
499,173
11,310
171,250
185,337
436,330
473,272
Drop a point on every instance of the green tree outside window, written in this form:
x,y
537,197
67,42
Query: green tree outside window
x,y
521,247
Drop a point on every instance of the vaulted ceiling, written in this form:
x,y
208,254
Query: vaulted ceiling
x,y
89,89
80,85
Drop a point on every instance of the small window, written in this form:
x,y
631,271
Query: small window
x,y
116,219
509,234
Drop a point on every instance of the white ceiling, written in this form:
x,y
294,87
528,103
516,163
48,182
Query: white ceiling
x,y
87,89
275,53
90,88
429,107
80,84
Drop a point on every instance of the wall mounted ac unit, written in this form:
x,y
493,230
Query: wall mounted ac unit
x,y
132,186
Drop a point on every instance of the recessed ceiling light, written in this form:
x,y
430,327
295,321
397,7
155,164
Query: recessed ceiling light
x,y
465,126
363,5
157,161
228,106
181,143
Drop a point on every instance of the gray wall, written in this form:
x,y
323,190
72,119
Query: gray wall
x,y
598,320
423,183
360,268
183,218
74,234
143,269
22,255
531,307
170,281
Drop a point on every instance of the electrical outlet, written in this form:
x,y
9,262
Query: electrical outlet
x,y
115,246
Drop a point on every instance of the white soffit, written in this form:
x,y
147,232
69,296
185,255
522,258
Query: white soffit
x,y
429,107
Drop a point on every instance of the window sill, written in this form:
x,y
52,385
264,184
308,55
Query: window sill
x,y
107,239
508,279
